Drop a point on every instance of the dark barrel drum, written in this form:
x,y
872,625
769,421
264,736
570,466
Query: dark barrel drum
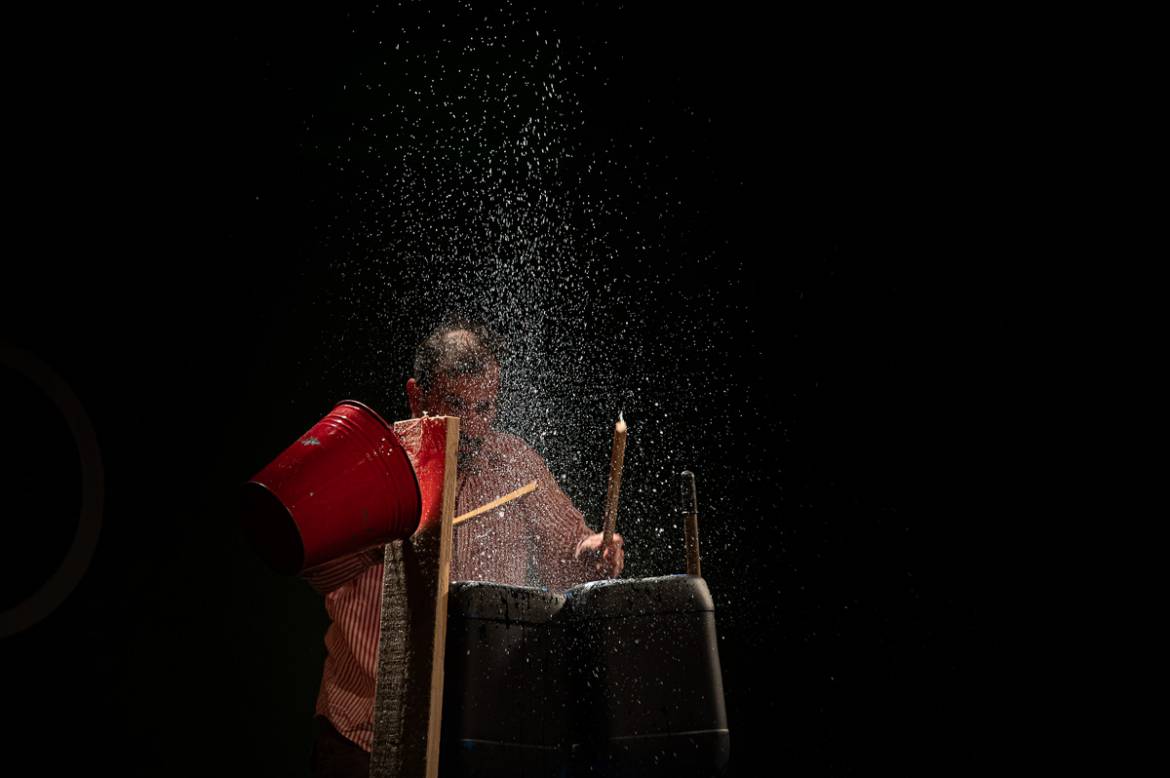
x,y
644,679
504,698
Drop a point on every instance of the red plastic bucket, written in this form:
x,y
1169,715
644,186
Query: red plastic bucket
x,y
345,486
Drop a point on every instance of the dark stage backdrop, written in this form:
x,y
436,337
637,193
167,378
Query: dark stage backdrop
x,y
175,211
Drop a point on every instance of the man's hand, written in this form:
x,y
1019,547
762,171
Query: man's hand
x,y
605,561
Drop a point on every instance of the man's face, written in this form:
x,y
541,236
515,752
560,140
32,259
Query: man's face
x,y
470,397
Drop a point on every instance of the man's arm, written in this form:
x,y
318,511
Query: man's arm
x,y
567,552
331,575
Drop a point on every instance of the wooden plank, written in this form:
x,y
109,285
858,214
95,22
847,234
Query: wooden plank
x,y
387,755
439,644
411,650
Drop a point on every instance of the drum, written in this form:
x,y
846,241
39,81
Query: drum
x,y
615,678
504,695
644,678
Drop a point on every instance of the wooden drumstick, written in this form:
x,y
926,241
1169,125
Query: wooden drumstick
x,y
523,490
616,460
690,507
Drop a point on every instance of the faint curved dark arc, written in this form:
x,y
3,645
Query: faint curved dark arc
x,y
77,559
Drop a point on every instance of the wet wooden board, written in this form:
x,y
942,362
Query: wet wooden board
x,y
408,698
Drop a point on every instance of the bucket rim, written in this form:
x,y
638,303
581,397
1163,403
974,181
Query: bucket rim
x,y
368,409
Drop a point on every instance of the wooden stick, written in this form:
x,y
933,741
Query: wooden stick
x,y
690,506
616,460
439,649
523,490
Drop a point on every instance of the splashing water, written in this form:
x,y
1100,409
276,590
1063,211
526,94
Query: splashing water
x,y
474,187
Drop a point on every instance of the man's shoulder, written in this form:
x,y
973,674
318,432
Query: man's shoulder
x,y
506,443
513,450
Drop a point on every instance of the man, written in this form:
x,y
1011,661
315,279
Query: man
x,y
540,539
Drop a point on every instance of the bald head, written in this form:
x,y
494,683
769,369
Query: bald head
x,y
455,350
457,373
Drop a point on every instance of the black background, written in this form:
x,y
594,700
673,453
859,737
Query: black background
x,y
164,217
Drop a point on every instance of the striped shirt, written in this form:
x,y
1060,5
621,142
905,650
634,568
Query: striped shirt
x,y
530,541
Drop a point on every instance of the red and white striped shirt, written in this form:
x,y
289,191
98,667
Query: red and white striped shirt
x,y
531,541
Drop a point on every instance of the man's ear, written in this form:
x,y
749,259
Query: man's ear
x,y
414,397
